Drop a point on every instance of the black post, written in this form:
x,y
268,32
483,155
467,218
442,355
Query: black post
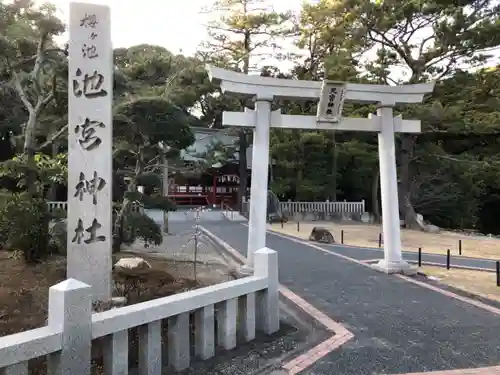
x,y
342,236
420,257
448,259
298,226
498,273
281,222
459,247
380,240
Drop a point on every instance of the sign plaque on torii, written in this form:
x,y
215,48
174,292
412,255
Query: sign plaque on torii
x,y
331,98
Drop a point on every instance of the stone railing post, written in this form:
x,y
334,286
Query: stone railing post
x,y
268,316
70,312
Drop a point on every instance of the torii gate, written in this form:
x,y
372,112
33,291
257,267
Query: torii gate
x,y
265,89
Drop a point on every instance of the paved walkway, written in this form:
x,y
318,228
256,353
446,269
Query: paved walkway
x,y
398,327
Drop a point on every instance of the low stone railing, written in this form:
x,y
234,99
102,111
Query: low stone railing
x,y
235,308
295,209
323,207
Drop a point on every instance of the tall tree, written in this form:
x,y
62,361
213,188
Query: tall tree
x,y
146,132
30,65
416,41
239,38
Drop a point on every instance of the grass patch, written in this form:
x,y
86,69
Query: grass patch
x,y
367,235
481,283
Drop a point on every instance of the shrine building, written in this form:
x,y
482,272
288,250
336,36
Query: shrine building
x,y
216,184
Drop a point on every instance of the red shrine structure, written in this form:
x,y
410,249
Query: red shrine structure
x,y
216,185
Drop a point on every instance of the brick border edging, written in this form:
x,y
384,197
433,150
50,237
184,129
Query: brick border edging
x,y
340,333
493,370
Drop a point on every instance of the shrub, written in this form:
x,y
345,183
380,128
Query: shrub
x,y
137,226
24,226
152,202
5,196
58,234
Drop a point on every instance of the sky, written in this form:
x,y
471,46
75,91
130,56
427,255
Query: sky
x,y
175,25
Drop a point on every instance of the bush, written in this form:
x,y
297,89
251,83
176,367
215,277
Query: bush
x,y
58,234
5,196
152,202
24,226
138,226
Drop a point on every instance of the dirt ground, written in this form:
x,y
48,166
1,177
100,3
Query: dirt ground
x,y
477,282
367,235
24,288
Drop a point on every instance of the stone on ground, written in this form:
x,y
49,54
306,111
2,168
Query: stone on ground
x,y
134,263
432,229
323,235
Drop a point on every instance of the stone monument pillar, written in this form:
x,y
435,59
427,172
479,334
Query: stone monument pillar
x,y
90,168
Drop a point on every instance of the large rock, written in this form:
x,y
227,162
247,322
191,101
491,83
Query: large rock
x,y
323,235
273,207
420,220
132,264
432,228
274,218
366,217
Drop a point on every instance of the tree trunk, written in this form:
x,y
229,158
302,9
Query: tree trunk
x,y
405,206
300,169
127,204
29,151
54,150
165,189
333,186
375,194
242,166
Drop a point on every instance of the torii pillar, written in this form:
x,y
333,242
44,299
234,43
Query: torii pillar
x,y
265,89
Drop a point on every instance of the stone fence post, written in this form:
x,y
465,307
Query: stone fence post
x,y
70,312
266,265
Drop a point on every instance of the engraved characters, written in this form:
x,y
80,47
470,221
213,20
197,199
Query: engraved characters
x,y
92,231
89,84
87,132
335,102
89,21
331,101
91,187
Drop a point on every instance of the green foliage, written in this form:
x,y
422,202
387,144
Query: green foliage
x,y
5,196
453,167
152,121
48,169
151,202
138,226
58,233
24,226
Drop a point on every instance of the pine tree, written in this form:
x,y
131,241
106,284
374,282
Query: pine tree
x,y
241,36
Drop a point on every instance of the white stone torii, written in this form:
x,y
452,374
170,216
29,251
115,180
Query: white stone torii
x,y
265,89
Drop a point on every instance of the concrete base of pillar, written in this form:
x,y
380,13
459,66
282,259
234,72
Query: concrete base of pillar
x,y
401,267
